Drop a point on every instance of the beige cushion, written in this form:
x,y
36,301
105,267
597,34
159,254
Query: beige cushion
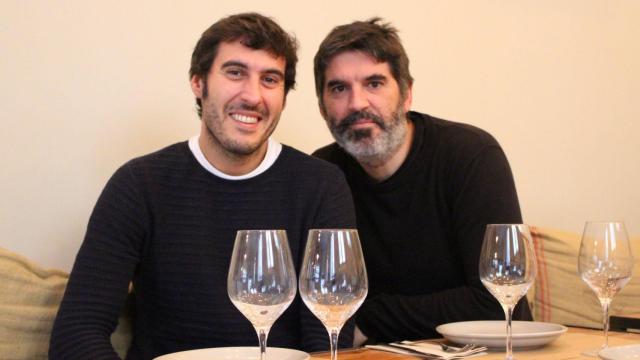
x,y
29,301
560,295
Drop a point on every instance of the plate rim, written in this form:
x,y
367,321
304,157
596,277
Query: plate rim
x,y
161,357
616,347
561,329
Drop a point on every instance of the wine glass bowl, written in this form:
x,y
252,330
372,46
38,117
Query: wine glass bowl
x,y
605,264
507,268
262,281
333,280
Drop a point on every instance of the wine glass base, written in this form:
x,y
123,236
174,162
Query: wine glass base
x,y
592,352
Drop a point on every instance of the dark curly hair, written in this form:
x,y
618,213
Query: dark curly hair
x,y
255,31
377,39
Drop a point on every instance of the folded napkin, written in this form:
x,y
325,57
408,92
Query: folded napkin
x,y
432,350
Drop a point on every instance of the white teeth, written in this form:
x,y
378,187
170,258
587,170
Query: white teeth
x,y
245,119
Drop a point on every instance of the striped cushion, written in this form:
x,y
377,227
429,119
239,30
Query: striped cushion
x,y
29,301
560,296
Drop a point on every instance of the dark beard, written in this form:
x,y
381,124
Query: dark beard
x,y
229,144
344,125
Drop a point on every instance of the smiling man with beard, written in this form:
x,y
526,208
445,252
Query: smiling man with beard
x,y
424,188
166,222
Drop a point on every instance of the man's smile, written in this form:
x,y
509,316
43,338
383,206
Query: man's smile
x,y
247,119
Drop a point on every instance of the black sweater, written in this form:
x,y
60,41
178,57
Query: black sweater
x,y
422,229
168,225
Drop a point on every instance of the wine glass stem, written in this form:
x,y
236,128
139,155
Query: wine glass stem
x,y
508,313
262,340
333,339
605,322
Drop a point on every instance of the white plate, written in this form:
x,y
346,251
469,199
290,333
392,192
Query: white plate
x,y
235,353
492,334
625,352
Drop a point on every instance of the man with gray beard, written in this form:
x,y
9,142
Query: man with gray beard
x,y
424,188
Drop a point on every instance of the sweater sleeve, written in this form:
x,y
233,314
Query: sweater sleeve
x,y
99,281
335,210
482,191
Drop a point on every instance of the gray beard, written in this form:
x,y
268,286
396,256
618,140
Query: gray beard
x,y
373,151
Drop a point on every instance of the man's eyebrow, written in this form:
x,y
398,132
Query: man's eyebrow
x,y
376,77
332,83
373,77
274,71
236,63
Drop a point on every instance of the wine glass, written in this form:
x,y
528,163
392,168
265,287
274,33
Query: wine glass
x,y
262,280
333,280
605,264
507,268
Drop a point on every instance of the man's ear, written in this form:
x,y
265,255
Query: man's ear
x,y
406,106
197,86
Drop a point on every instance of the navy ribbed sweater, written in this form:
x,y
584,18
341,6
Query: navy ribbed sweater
x,y
168,225
422,229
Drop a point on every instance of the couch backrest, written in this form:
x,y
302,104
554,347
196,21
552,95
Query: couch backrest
x,y
560,295
29,301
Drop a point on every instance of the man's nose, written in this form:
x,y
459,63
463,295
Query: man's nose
x,y
251,91
358,100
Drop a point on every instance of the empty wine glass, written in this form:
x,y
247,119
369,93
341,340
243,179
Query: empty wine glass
x,y
605,264
333,280
507,267
262,280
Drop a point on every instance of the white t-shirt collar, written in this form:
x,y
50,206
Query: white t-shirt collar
x,y
273,151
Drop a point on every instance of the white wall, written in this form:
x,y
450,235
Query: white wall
x,y
87,85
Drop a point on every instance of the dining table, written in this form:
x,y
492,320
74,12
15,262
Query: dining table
x,y
568,346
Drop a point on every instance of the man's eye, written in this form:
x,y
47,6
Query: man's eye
x,y
337,89
271,81
234,73
375,84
